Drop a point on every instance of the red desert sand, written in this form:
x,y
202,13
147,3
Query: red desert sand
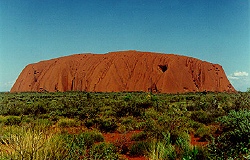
x,y
123,71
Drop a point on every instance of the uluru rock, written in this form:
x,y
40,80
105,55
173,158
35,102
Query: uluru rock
x,y
123,71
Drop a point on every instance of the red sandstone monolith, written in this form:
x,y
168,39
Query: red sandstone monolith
x,y
123,71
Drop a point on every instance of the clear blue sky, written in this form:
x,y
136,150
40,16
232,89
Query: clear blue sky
x,y
216,31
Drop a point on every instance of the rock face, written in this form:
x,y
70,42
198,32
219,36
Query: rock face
x,y
123,71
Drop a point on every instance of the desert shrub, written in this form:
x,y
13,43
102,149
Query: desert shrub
x,y
242,101
140,148
28,110
107,111
127,120
2,119
89,123
78,144
66,122
82,114
133,105
44,116
195,125
202,117
139,136
123,109
127,123
140,125
187,152
75,146
54,116
203,131
167,122
107,125
27,119
182,143
234,141
88,138
103,151
190,97
197,153
151,113
175,98
128,97
208,102
54,148
162,149
12,120
13,108
44,123
91,112
144,103
39,108
88,95
122,145
193,107
153,129
248,90
121,129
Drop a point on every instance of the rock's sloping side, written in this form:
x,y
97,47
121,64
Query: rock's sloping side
x,y
123,71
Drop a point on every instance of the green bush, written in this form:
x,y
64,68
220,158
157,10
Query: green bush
x,y
85,139
162,149
127,98
43,122
2,119
78,144
107,125
182,143
127,124
103,151
123,109
89,138
122,145
27,119
66,122
241,101
234,141
139,136
140,148
12,120
202,117
203,131
89,123
197,153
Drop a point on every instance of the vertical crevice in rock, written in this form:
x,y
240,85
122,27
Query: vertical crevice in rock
x,y
72,84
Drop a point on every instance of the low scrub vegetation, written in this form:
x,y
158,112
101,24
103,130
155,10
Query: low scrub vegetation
x,y
73,125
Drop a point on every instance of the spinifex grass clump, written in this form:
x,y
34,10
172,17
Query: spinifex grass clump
x,y
37,143
162,149
30,142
